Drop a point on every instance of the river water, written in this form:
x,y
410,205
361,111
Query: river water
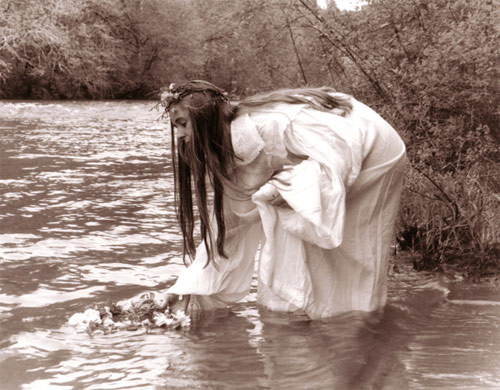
x,y
86,217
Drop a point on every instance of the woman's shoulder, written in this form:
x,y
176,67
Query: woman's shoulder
x,y
246,140
278,113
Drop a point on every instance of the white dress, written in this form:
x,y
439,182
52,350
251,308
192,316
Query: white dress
x,y
328,254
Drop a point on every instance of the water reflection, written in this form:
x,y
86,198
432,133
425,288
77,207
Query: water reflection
x,y
86,216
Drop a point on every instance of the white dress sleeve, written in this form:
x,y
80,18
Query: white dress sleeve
x,y
228,280
224,280
316,188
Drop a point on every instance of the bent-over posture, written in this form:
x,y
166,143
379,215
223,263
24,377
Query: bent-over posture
x,y
305,181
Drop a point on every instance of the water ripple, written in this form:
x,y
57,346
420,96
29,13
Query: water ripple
x,y
87,217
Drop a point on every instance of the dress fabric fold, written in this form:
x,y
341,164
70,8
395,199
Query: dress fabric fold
x,y
328,253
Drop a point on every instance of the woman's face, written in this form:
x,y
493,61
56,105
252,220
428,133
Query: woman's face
x,y
183,127
179,116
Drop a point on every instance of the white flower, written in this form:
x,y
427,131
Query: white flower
x,y
92,315
108,322
172,321
89,316
183,319
120,325
159,319
86,320
76,319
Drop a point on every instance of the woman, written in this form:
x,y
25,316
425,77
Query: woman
x,y
310,177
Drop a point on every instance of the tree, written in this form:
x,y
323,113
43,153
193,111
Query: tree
x,y
52,44
90,48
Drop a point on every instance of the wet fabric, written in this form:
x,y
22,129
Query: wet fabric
x,y
328,253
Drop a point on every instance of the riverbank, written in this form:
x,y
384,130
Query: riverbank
x,y
405,262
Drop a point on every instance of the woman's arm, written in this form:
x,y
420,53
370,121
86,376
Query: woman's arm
x,y
226,279
330,150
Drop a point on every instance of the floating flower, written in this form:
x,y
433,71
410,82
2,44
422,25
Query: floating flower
x,y
90,316
142,312
160,319
108,323
76,319
183,319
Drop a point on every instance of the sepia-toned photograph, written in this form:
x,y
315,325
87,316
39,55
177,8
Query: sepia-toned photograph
x,y
250,194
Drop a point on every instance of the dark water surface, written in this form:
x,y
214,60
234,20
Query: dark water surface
x,y
86,216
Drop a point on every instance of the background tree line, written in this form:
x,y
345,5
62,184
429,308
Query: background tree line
x,y
428,66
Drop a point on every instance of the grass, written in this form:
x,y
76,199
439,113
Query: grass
x,y
451,220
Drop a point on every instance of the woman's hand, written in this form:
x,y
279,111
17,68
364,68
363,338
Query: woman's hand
x,y
161,300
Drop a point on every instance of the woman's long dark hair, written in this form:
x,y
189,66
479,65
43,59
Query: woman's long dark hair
x,y
209,153
322,99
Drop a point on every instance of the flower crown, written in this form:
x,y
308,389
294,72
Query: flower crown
x,y
174,94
